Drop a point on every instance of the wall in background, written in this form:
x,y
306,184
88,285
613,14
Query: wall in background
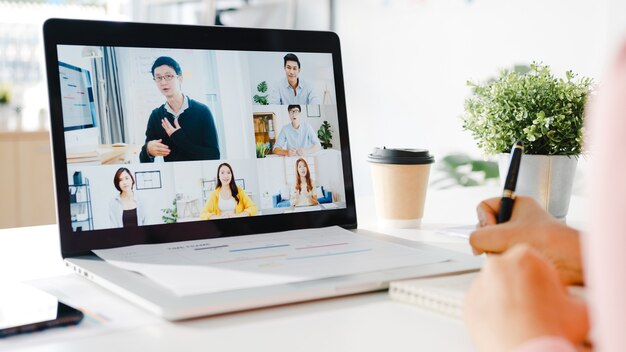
x,y
406,62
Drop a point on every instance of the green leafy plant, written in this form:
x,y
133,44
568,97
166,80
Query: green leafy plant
x,y
261,99
546,113
325,135
5,94
461,170
170,215
261,149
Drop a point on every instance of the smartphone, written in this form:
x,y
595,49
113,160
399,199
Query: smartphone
x,y
25,309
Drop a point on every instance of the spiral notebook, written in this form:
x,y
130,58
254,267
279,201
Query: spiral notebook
x,y
442,294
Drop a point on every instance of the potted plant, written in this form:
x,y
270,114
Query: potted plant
x,y
261,149
546,113
5,94
261,98
170,215
325,135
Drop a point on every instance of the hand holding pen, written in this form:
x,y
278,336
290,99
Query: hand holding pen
x,y
508,194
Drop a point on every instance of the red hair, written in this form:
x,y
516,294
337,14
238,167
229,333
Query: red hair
x,y
309,185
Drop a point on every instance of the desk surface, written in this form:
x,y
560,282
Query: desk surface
x,y
365,322
105,154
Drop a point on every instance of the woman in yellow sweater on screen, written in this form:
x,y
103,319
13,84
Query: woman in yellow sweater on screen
x,y
227,200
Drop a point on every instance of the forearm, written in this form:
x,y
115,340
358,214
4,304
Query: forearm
x,y
281,151
208,211
151,135
251,208
144,156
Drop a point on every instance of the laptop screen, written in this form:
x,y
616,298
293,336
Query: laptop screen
x,y
161,136
164,133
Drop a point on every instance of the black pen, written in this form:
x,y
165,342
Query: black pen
x,y
508,194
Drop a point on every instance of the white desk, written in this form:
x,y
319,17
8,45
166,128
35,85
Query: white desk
x,y
365,322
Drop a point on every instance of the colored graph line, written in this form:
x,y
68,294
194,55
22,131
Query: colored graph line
x,y
325,245
330,254
248,259
214,247
257,248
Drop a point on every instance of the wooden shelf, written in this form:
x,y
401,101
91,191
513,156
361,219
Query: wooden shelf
x,y
26,175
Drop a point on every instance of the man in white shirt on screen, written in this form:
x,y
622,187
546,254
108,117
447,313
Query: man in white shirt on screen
x,y
291,89
297,137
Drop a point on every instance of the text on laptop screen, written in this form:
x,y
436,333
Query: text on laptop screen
x,y
156,136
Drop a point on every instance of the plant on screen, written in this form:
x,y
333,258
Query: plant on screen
x,y
170,215
261,149
261,99
325,135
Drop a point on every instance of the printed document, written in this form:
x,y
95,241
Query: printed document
x,y
241,262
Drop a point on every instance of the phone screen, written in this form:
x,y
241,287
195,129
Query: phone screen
x,y
24,309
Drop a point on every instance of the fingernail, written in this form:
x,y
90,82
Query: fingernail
x,y
481,219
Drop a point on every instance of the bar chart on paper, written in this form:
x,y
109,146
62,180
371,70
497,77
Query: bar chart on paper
x,y
222,264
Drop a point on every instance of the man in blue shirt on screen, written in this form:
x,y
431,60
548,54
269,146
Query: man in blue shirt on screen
x,y
297,137
292,89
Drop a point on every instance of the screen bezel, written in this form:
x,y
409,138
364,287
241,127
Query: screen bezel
x,y
83,32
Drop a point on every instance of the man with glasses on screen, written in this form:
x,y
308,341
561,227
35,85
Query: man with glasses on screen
x,y
181,129
297,137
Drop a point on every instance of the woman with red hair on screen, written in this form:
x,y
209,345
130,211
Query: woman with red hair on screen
x,y
304,190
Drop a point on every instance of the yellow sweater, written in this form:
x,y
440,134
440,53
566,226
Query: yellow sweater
x,y
211,207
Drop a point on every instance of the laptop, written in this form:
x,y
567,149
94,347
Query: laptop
x,y
204,170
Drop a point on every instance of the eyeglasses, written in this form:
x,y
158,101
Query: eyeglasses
x,y
166,78
294,112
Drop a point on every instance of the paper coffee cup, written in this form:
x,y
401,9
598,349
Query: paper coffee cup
x,y
400,179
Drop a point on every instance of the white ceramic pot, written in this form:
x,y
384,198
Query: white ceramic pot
x,y
546,178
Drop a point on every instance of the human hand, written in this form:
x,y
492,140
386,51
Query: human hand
x,y
157,148
300,151
532,225
167,126
292,152
518,297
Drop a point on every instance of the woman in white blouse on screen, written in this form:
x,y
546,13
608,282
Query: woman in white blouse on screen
x,y
303,192
125,209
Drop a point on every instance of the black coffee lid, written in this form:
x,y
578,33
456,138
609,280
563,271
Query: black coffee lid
x,y
400,156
